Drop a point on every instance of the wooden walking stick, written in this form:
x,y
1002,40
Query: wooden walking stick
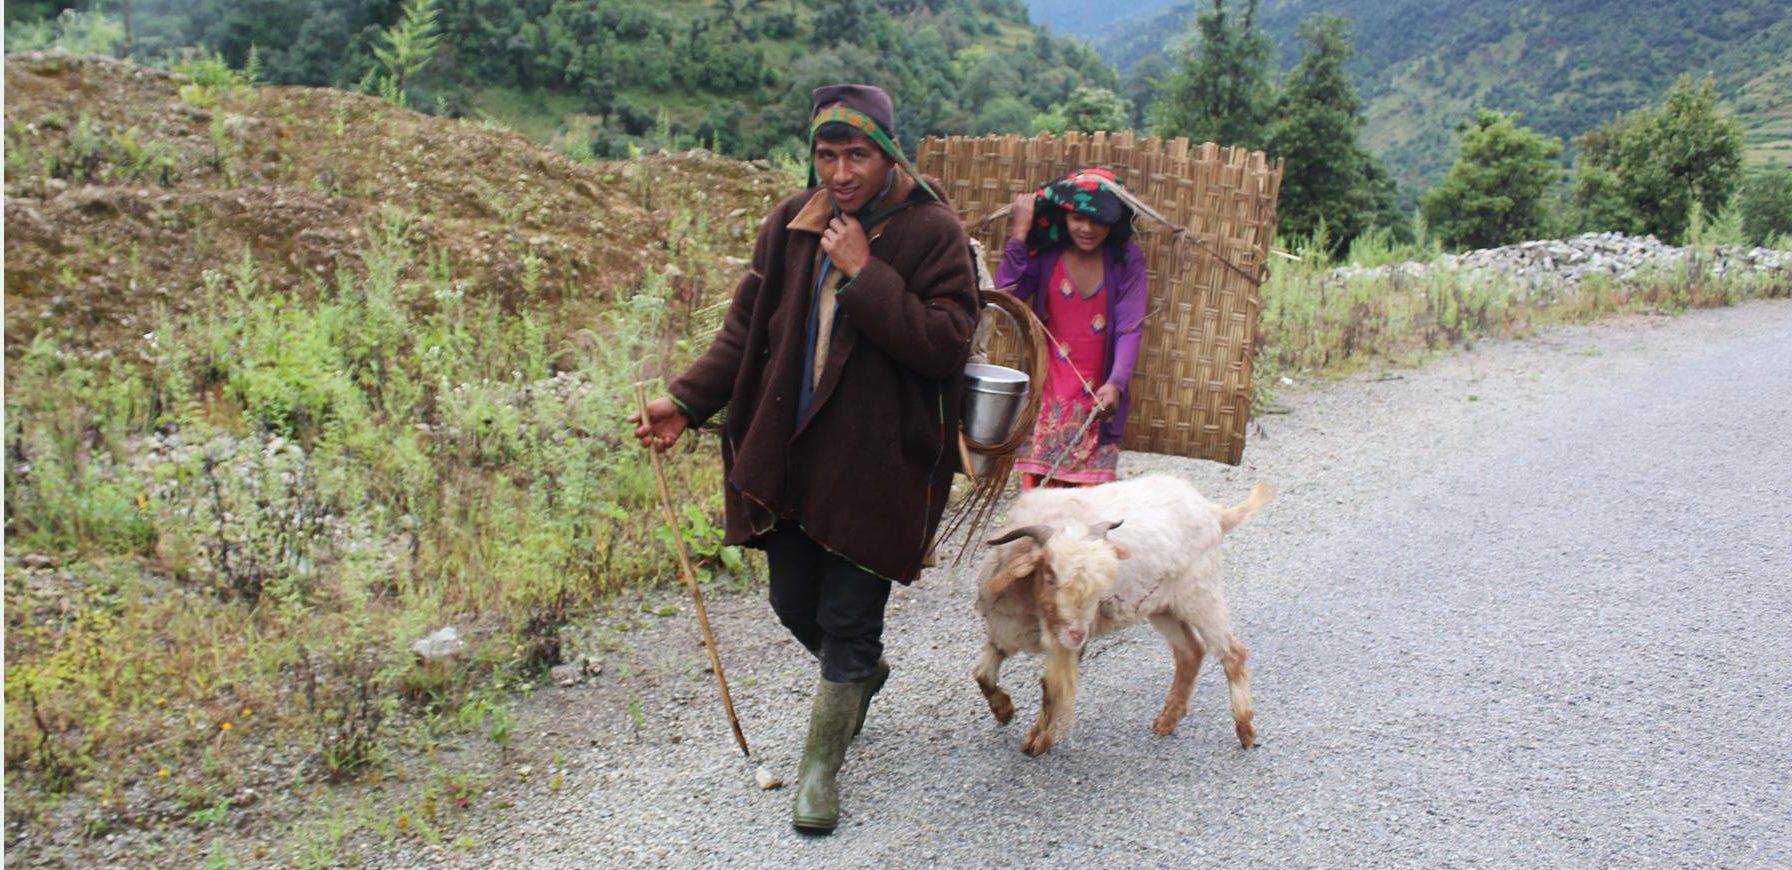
x,y
690,579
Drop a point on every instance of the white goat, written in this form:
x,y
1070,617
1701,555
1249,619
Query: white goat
x,y
1058,578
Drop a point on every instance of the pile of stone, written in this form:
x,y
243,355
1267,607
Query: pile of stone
x,y
1559,266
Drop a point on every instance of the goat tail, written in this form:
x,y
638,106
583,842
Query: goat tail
x,y
1261,494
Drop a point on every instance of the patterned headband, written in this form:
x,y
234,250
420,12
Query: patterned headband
x,y
863,123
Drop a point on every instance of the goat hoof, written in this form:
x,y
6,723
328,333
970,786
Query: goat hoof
x,y
1247,734
1002,707
1036,744
1164,726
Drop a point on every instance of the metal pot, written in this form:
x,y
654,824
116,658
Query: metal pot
x,y
993,398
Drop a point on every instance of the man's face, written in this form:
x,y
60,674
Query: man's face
x,y
852,170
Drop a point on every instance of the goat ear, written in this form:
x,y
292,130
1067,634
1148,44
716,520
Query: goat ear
x,y
1021,563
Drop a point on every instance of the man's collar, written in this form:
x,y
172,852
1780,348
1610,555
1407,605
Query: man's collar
x,y
815,214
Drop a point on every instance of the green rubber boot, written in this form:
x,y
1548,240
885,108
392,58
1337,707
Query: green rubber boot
x,y
831,721
874,684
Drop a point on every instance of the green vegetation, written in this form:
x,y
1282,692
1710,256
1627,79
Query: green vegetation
x,y
1319,321
611,74
1329,180
1765,206
1221,91
1088,110
256,527
1562,66
408,47
1497,191
71,30
1643,172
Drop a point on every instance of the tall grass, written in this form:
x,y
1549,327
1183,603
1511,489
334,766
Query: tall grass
x,y
232,548
1321,320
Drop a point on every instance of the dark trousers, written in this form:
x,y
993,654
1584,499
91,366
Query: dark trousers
x,y
830,605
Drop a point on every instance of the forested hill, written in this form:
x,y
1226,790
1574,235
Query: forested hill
x,y
1565,66
1083,19
597,76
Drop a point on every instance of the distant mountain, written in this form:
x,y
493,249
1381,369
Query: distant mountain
x,y
1082,19
1565,66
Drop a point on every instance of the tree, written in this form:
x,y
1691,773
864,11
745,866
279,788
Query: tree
x,y
1090,109
1003,115
1766,205
1329,178
1142,87
410,44
600,97
1222,90
1494,193
1642,172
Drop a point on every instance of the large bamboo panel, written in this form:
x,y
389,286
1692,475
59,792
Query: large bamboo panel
x,y
1191,390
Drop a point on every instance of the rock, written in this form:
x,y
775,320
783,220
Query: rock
x,y
23,215
440,646
567,676
38,561
766,780
1552,269
95,201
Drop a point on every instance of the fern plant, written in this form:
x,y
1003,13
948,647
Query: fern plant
x,y
409,46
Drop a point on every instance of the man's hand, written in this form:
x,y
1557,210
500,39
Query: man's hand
x,y
1107,399
1021,217
663,425
845,242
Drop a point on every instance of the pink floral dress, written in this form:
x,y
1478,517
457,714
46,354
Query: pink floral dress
x,y
1080,334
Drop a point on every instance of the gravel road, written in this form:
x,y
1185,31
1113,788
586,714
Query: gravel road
x,y
1526,605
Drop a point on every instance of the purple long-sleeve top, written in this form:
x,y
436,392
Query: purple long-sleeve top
x,y
1024,276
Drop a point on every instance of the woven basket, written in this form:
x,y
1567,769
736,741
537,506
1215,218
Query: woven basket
x,y
1191,389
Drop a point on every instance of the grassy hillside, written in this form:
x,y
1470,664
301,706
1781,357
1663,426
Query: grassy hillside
x,y
295,377
1422,68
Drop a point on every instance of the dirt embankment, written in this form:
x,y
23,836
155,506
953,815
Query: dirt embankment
x,y
125,184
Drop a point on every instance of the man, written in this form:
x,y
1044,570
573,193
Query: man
x,y
840,362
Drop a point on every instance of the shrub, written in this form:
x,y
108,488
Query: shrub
x,y
1494,195
1765,204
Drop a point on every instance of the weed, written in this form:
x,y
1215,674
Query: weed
x,y
88,152
209,77
294,482
636,716
227,146
218,857
74,31
212,815
487,711
320,844
1320,320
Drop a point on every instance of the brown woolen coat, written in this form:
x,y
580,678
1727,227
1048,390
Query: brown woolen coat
x,y
867,471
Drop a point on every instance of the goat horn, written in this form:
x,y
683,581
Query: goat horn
x,y
1100,530
1039,534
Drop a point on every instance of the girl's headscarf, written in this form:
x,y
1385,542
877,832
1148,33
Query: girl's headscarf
x,y
1089,192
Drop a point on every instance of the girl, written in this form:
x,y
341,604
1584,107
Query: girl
x,y
1070,253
